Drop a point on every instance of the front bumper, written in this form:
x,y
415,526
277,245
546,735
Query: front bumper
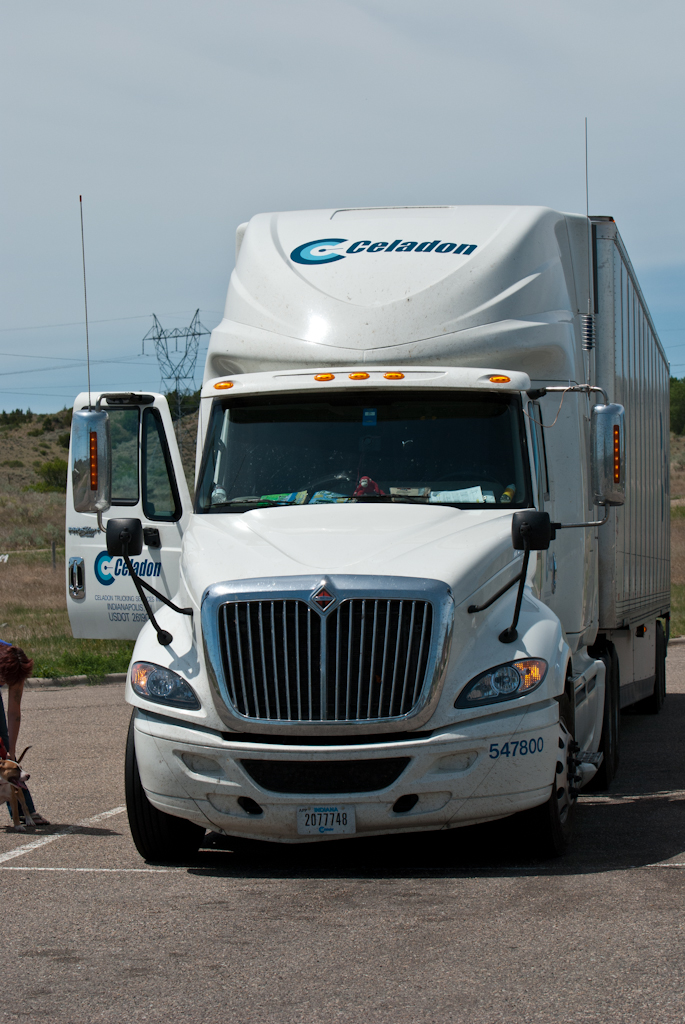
x,y
197,774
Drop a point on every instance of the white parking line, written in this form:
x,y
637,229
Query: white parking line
x,y
44,840
144,871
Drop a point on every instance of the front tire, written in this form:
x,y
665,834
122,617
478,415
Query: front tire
x,y
157,836
552,822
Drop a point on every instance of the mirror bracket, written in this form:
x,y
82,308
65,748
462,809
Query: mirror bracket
x,y
580,526
508,635
585,389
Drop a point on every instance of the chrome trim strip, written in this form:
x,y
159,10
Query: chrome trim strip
x,y
346,588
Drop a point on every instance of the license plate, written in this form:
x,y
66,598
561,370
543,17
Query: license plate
x,y
326,820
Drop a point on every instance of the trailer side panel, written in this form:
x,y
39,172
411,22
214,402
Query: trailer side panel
x,y
634,547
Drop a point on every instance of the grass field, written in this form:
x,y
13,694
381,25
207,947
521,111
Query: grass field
x,y
33,609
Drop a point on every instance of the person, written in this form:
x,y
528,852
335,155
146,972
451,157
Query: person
x,y
15,668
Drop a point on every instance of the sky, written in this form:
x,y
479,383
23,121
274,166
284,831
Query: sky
x,y
178,120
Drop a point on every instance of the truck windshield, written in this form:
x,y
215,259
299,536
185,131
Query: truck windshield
x,y
459,448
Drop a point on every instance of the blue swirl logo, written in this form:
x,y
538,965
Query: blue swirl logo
x,y
317,252
102,573
323,250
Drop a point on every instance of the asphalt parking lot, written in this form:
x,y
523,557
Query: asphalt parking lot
x,y
459,926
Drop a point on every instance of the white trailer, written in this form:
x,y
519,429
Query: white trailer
x,y
427,559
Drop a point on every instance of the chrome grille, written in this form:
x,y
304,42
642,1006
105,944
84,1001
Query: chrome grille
x,y
366,660
271,651
376,656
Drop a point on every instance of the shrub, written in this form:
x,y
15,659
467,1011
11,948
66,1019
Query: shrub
x,y
54,476
63,439
56,421
13,463
16,418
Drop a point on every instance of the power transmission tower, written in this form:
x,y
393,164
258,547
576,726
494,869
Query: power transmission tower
x,y
176,351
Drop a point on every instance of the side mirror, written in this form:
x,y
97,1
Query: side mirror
x,y
608,456
123,532
91,451
531,528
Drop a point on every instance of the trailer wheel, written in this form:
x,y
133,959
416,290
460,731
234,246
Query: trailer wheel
x,y
652,705
157,836
552,822
610,740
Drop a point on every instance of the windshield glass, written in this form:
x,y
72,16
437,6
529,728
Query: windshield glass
x,y
450,448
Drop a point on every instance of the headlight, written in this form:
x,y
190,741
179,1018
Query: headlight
x,y
162,685
503,683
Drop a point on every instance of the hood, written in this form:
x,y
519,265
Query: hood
x,y
463,548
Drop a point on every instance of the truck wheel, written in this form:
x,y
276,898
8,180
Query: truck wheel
x,y
553,821
158,836
652,705
610,739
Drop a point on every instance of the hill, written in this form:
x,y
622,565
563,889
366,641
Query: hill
x,y
33,454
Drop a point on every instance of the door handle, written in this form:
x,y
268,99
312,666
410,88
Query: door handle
x,y
77,578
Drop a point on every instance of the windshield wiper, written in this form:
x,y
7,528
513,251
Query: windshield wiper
x,y
408,499
238,505
237,502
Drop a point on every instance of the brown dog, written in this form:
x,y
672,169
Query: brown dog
x,y
13,781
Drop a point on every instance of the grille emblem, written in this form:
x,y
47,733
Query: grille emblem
x,y
323,598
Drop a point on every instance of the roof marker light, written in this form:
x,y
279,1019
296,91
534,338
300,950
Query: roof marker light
x,y
324,376
359,376
394,375
499,378
223,385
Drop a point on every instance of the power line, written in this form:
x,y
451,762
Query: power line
x,y
70,366
108,320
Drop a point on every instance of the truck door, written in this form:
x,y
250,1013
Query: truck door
x,y
148,483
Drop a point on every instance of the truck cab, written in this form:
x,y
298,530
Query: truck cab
x,y
381,609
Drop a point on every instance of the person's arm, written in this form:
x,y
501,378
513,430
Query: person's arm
x,y
14,716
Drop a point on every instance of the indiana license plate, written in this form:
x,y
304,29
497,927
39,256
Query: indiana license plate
x,y
326,820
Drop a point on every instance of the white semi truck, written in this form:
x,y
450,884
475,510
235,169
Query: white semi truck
x,y
427,559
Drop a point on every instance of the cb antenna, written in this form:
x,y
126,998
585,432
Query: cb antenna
x,y
85,299
588,321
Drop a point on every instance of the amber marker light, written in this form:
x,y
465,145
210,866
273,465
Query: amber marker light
x,y
394,376
324,376
617,454
499,378
93,461
223,385
359,376
532,672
